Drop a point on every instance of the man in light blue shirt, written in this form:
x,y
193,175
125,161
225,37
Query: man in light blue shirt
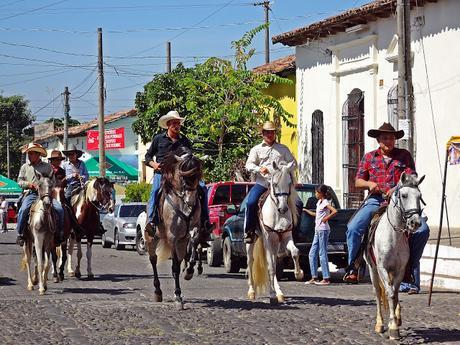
x,y
76,173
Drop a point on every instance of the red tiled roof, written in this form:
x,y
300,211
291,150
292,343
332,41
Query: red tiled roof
x,y
77,130
332,25
278,66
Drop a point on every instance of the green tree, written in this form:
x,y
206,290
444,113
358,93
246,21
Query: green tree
x,y
59,122
224,105
15,111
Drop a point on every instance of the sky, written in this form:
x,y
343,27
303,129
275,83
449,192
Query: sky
x,y
47,45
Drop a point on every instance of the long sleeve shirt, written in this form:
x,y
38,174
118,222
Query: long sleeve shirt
x,y
163,144
264,155
28,173
80,168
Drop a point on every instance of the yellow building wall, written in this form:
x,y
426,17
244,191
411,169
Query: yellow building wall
x,y
285,94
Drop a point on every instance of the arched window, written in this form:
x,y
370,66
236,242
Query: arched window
x,y
353,146
317,147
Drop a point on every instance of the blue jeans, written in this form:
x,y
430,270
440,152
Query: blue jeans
x,y
156,184
320,242
24,212
250,216
359,225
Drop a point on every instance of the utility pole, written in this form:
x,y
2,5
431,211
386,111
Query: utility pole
x,y
66,117
266,5
168,57
100,64
405,90
8,149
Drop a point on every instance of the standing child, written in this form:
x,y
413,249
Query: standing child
x,y
324,211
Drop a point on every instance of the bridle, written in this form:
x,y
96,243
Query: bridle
x,y
274,196
405,214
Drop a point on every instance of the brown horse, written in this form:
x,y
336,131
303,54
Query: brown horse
x,y
179,212
96,195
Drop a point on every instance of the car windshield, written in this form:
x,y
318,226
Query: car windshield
x,y
131,210
239,192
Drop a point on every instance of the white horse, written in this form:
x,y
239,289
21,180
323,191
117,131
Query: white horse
x,y
387,255
277,219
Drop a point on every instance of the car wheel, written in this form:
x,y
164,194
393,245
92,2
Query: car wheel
x,y
214,253
104,242
116,241
140,244
231,263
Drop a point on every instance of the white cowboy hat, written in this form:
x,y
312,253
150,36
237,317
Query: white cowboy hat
x,y
35,147
73,148
172,115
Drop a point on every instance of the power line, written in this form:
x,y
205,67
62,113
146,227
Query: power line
x,y
52,63
33,10
47,104
84,93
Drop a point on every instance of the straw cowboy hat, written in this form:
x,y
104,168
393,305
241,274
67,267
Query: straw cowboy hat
x,y
172,115
269,126
73,148
35,147
386,128
56,154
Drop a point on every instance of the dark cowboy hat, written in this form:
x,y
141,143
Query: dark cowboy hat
x,y
386,128
56,154
73,148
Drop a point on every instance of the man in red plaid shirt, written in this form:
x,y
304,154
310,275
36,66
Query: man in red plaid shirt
x,y
379,172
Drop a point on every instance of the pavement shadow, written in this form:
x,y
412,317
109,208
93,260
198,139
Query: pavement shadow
x,y
226,276
7,281
242,304
113,292
114,278
329,301
434,335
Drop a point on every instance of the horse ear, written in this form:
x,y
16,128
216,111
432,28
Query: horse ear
x,y
420,180
403,178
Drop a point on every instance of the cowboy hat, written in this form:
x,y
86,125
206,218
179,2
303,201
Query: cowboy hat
x,y
386,128
56,154
172,115
269,126
73,148
35,147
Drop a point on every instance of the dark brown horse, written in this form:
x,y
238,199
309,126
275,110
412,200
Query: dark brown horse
x,y
179,211
96,195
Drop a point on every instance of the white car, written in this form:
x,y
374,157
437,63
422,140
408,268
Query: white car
x,y
120,225
140,227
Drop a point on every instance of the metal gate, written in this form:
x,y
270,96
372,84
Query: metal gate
x,y
353,146
317,147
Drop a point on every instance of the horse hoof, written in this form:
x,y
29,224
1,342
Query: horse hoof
x,y
71,274
280,298
179,304
394,334
56,279
90,276
77,275
30,288
299,276
273,300
200,270
251,296
42,292
189,274
35,282
379,328
158,298
61,277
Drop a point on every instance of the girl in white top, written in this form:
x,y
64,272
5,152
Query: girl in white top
x,y
324,211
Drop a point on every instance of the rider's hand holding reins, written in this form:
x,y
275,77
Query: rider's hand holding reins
x,y
264,170
156,166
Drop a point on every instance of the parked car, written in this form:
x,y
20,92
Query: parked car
x,y
220,196
140,226
234,250
120,225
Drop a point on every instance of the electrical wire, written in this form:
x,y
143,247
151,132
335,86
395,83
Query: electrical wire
x,y
84,93
33,10
47,104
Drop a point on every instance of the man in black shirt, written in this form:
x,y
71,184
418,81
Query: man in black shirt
x,y
163,143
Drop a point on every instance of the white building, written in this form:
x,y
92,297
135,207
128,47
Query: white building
x,y
346,82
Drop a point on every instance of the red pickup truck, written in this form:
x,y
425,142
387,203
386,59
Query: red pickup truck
x,y
220,196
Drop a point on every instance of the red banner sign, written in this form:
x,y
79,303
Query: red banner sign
x,y
114,139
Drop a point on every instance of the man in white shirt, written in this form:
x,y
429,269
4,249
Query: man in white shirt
x,y
3,213
260,161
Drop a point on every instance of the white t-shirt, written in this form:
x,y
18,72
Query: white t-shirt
x,y
321,212
3,207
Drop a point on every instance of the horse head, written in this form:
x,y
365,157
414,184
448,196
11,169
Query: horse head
x,y
280,186
103,192
45,189
407,198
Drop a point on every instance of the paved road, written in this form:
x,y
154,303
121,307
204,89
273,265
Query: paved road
x,y
117,308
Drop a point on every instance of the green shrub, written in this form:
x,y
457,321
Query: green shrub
x,y
137,192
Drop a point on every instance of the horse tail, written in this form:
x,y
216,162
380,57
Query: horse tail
x,y
383,295
163,250
259,267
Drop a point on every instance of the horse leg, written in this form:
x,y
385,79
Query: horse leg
x,y
69,263
176,274
199,269
27,260
392,302
79,256
54,258
47,266
298,273
89,253
250,261
39,257
379,296
192,261
63,260
398,311
271,254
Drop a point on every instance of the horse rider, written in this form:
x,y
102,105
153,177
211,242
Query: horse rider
x,y
76,174
260,158
28,181
163,143
379,172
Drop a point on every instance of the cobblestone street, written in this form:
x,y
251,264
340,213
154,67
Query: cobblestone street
x,y
117,308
